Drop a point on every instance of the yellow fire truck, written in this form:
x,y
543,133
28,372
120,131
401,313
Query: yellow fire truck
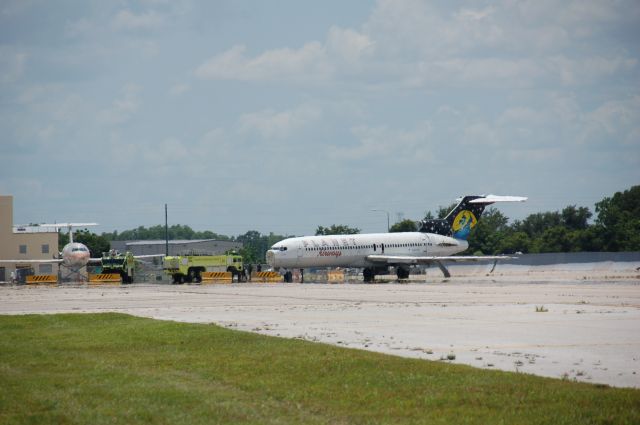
x,y
189,268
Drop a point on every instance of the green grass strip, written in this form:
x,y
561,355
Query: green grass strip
x,y
119,369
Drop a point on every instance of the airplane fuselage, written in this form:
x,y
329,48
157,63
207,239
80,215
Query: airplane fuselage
x,y
353,250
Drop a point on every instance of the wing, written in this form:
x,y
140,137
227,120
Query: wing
x,y
95,260
406,259
148,256
33,261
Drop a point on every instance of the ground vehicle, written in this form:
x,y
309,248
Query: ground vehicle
x,y
123,264
189,268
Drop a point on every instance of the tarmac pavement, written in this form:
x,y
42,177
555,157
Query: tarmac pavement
x,y
587,331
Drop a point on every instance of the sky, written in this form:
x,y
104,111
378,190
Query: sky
x,y
283,116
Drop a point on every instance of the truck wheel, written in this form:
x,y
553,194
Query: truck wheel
x,y
234,272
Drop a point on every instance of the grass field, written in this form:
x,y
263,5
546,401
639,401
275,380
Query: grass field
x,y
114,368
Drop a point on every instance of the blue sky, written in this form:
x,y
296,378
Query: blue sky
x,y
282,116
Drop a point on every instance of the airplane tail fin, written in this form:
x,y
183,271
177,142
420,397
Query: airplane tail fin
x,y
69,226
465,216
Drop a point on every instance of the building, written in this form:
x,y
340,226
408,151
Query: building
x,y
24,243
177,247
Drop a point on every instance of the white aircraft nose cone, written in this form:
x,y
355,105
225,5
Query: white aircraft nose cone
x,y
271,258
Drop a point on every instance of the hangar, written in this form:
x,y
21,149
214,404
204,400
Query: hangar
x,y
177,247
25,244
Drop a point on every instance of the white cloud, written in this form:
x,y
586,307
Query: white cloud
x,y
615,120
12,65
79,28
314,61
587,70
217,141
418,44
307,63
168,151
124,107
179,89
480,134
349,46
387,145
125,19
46,133
271,124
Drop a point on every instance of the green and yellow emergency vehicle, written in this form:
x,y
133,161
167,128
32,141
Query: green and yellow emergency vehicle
x,y
189,268
123,264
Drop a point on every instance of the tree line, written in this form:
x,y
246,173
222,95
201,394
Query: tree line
x,y
616,227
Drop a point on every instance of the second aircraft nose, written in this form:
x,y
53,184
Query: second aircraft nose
x,y
271,258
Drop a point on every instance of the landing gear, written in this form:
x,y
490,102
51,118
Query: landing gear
x,y
444,270
402,272
368,274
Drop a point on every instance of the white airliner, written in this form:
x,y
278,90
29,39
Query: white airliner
x,y
435,243
75,255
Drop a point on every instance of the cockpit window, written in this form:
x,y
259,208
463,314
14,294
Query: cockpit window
x,y
279,248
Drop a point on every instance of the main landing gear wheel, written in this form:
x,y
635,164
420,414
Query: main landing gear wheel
x,y
402,273
368,275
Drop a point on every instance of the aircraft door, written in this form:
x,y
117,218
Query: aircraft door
x,y
425,243
300,249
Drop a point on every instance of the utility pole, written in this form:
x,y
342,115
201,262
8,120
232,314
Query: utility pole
x,y
384,211
166,232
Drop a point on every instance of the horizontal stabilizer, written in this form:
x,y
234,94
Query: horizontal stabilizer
x,y
490,199
67,225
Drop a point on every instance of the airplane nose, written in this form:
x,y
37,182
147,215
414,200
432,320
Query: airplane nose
x,y
271,258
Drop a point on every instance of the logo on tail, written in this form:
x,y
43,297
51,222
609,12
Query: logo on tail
x,y
463,222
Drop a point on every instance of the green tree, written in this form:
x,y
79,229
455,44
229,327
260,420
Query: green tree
x,y
619,220
404,226
97,244
553,239
536,224
486,236
63,239
339,229
175,231
255,245
513,242
576,218
589,239
444,211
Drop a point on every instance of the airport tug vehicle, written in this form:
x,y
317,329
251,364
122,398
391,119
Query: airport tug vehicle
x,y
189,268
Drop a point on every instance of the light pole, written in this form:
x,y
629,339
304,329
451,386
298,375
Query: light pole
x,y
384,211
